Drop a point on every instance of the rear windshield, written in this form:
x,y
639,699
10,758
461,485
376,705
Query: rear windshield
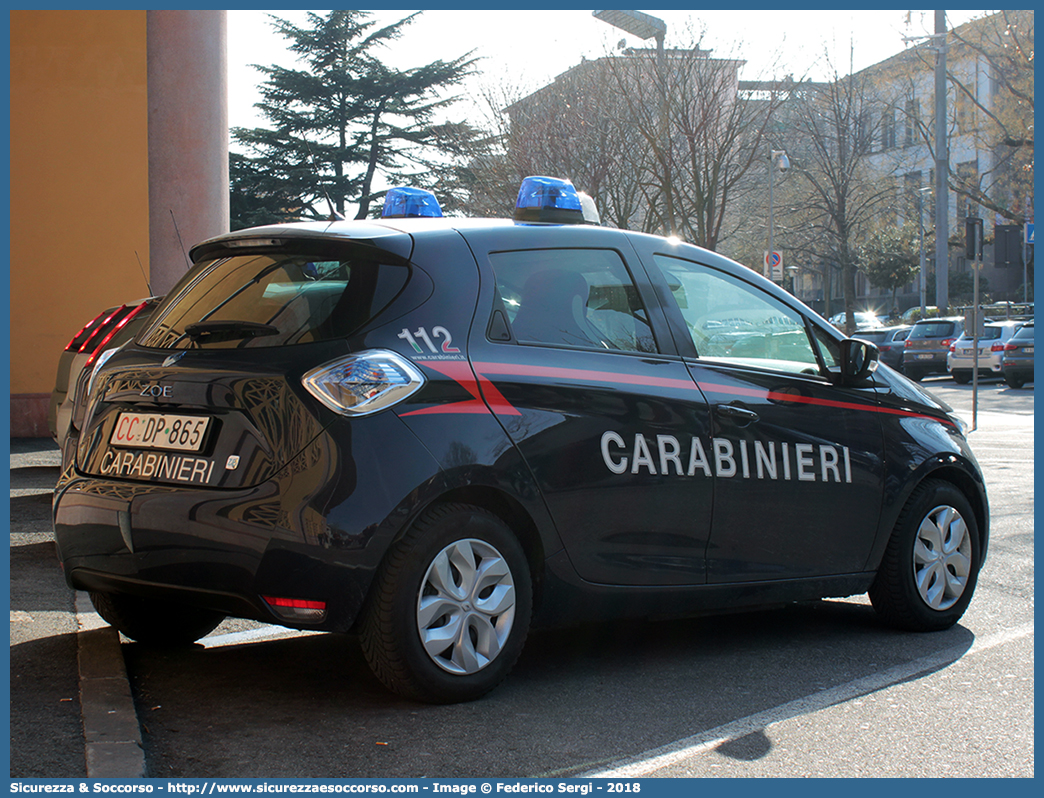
x,y
1024,333
873,336
989,334
267,300
933,329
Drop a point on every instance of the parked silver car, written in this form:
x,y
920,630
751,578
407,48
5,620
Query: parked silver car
x,y
960,360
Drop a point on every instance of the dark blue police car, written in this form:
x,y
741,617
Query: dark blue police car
x,y
437,432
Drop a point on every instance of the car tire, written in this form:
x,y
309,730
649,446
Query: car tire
x,y
961,377
931,565
914,374
1013,381
155,623
449,610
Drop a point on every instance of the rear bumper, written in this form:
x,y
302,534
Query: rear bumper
x,y
219,550
317,530
968,364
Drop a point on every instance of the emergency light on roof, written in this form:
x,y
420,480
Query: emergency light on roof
x,y
402,203
551,199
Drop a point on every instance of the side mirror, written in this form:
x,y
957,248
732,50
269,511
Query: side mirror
x,y
858,359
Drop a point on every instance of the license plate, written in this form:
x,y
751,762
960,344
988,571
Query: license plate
x,y
1027,350
924,357
160,431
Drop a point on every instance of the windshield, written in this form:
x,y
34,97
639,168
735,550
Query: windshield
x,y
272,299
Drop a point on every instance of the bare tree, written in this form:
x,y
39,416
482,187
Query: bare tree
x,y
702,136
991,71
833,128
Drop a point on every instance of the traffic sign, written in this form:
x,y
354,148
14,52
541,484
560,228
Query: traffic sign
x,y
774,266
1029,233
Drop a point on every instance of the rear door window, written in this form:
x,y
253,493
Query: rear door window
x,y
273,299
577,298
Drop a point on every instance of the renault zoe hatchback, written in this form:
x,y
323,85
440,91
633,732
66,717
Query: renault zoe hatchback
x,y
438,432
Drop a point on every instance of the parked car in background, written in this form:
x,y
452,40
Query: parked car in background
x,y
1017,358
889,341
107,331
863,320
928,344
960,360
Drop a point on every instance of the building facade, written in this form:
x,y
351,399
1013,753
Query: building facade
x,y
119,132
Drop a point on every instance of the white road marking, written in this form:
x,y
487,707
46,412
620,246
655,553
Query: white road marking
x,y
665,756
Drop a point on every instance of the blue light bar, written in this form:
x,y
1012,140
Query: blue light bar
x,y
548,199
401,203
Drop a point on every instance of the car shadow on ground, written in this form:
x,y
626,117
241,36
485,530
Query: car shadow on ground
x,y
578,698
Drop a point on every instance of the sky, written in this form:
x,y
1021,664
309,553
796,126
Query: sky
x,y
529,48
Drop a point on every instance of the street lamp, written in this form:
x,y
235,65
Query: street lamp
x,y
777,160
637,24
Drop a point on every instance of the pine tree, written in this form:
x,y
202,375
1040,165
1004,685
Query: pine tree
x,y
346,122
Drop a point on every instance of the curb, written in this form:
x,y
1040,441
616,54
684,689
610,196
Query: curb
x,y
110,722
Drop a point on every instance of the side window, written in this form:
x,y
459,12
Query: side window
x,y
573,298
733,322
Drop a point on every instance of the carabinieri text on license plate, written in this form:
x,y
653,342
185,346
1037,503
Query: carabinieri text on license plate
x,y
160,431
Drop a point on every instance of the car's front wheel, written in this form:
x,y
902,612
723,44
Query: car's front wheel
x,y
449,610
155,622
929,570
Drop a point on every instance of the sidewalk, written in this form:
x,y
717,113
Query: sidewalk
x,y
71,709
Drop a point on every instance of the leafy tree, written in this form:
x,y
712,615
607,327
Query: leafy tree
x,y
258,197
889,257
347,120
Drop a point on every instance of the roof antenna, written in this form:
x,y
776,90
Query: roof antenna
x,y
334,215
176,230
140,266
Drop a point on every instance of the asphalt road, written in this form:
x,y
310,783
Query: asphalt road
x,y
818,689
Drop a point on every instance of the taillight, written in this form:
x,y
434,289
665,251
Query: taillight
x,y
997,348
358,385
102,329
948,341
118,326
297,609
953,347
1010,347
909,344
80,337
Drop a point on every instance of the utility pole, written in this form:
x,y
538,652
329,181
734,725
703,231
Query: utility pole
x,y
942,168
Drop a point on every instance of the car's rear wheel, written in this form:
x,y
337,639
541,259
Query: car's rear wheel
x,y
449,610
930,567
914,374
1013,381
962,377
154,622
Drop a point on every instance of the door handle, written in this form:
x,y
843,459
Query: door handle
x,y
741,415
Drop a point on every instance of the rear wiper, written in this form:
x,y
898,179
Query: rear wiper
x,y
228,329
